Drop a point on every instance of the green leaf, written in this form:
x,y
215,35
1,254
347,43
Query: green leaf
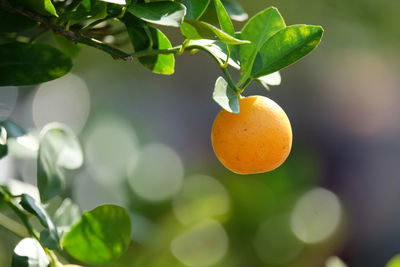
x,y
216,49
101,235
195,8
58,148
26,64
394,262
224,19
235,10
66,215
3,142
29,253
14,22
257,30
225,96
69,48
195,30
43,7
270,79
13,130
49,237
166,13
119,2
144,38
286,47
88,9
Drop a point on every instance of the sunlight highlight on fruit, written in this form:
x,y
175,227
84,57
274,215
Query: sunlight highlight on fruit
x,y
316,216
65,100
204,244
158,173
256,140
201,197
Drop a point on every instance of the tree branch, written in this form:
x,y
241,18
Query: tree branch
x,y
70,35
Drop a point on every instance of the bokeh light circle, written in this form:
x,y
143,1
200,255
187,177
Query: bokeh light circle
x,y
275,242
316,215
110,142
204,244
157,174
201,197
65,100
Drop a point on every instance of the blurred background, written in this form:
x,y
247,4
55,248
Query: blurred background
x,y
146,140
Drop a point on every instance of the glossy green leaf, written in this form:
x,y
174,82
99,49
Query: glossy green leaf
x,y
29,253
235,10
224,19
166,13
26,64
257,30
270,79
43,7
225,96
394,262
144,38
100,235
196,30
118,2
286,47
58,148
195,8
215,48
14,22
66,216
49,237
89,9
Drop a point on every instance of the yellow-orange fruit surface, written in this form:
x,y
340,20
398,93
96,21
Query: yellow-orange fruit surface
x,y
256,140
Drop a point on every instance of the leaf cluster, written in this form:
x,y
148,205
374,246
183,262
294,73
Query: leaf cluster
x,y
262,47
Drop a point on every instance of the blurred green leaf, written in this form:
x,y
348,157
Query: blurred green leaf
x,y
13,130
224,19
26,64
69,48
3,142
14,22
257,30
226,96
195,30
100,235
29,253
59,147
286,47
195,8
66,215
144,38
43,7
235,10
165,13
394,262
49,237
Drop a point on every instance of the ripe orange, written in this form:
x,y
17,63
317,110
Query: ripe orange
x,y
256,140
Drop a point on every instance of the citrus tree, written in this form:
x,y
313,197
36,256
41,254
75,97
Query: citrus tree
x,y
257,52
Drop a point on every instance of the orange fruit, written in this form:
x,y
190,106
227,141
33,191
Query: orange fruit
x,y
256,140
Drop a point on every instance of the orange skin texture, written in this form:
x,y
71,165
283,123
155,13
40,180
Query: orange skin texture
x,y
256,140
